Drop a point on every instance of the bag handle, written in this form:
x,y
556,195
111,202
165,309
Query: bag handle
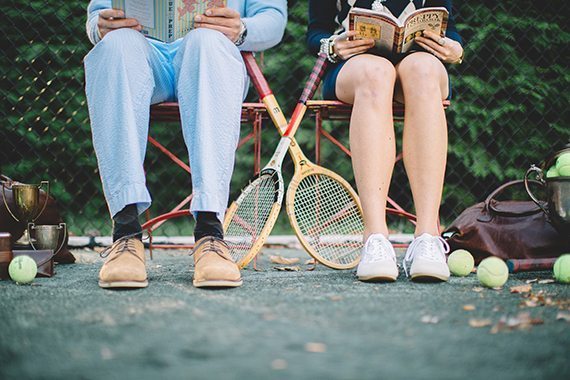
x,y
489,201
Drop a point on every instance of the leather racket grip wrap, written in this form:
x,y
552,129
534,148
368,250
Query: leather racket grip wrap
x,y
314,79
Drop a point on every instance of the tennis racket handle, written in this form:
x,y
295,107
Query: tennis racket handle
x,y
528,265
259,82
314,79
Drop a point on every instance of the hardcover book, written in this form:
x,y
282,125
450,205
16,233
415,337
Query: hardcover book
x,y
166,20
392,34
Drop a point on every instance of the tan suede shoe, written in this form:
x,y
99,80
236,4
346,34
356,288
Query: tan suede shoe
x,y
125,265
213,265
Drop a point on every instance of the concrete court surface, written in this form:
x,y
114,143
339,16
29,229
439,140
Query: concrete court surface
x,y
320,324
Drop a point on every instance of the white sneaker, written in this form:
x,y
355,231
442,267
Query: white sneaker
x,y
426,260
378,260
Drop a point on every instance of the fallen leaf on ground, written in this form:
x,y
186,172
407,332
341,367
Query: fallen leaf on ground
x,y
477,323
310,262
279,364
295,268
547,281
522,321
429,319
315,347
477,289
521,288
335,298
563,316
531,280
469,307
283,260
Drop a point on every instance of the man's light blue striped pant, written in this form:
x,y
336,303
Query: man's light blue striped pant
x,y
126,73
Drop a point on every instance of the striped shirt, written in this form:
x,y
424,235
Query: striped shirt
x,y
328,17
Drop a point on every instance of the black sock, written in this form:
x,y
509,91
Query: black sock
x,y
208,224
126,222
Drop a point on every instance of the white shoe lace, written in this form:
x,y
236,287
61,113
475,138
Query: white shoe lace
x,y
428,247
377,248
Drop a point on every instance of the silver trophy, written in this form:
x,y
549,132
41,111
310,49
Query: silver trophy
x,y
47,236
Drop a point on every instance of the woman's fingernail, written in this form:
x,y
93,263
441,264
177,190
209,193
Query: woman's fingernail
x,y
208,12
198,18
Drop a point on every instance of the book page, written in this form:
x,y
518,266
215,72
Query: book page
x,y
142,10
381,31
433,20
186,10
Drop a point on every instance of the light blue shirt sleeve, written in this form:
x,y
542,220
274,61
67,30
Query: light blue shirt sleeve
x,y
265,21
95,6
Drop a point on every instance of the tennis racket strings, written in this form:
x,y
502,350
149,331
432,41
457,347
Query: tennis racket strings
x,y
328,217
259,201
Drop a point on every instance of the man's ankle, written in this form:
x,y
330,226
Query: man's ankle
x,y
126,223
208,224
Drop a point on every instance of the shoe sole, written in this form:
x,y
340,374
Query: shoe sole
x,y
217,284
123,284
425,277
377,278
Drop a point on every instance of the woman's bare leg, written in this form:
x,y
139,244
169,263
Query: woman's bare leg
x,y
367,82
424,83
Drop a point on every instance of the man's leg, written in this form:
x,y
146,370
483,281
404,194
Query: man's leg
x,y
124,75
211,82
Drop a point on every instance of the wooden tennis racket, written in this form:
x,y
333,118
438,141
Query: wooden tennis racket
x,y
323,209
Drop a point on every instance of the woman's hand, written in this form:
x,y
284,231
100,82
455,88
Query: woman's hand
x,y
112,19
446,49
344,49
224,20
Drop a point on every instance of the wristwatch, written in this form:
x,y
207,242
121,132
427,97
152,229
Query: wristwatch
x,y
242,34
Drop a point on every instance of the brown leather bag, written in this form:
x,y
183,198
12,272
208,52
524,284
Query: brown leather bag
x,y
43,259
50,215
506,229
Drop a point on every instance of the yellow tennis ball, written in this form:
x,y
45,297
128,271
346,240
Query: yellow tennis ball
x,y
492,272
562,269
552,172
564,171
563,160
460,262
23,269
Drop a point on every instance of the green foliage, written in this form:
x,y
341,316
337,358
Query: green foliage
x,y
509,108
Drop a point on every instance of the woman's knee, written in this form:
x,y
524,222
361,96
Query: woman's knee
x,y
370,76
423,71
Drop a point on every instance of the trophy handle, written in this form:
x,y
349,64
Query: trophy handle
x,y
64,227
47,198
534,168
31,227
6,203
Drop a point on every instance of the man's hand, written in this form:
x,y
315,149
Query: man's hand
x,y
345,49
224,20
446,49
112,19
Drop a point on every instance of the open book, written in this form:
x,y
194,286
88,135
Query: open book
x,y
391,34
166,20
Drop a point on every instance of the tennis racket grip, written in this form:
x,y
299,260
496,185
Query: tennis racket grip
x,y
314,79
528,265
256,75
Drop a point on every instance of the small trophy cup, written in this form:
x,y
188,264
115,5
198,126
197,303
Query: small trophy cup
x,y
47,236
26,200
558,193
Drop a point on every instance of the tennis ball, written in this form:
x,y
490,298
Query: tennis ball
x,y
460,263
564,171
492,272
563,160
23,269
552,172
562,269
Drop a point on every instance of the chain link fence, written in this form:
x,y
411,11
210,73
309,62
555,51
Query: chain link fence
x,y
509,108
